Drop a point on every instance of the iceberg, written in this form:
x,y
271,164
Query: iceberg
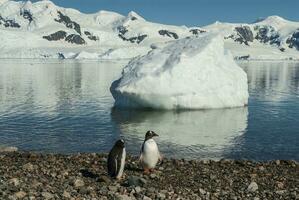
x,y
189,73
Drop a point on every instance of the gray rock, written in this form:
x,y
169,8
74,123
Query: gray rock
x,y
47,195
137,189
293,41
27,15
138,39
196,31
9,23
280,192
122,197
136,181
90,36
68,22
252,187
66,194
151,190
267,34
75,39
277,162
168,34
161,196
146,198
59,35
202,191
112,188
104,179
28,167
122,30
152,176
20,195
79,183
14,181
245,34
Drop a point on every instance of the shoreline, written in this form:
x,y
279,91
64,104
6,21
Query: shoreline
x,y
28,175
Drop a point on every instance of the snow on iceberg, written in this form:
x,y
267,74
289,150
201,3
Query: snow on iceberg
x,y
190,73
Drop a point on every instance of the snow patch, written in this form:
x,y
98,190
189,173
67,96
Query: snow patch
x,y
190,73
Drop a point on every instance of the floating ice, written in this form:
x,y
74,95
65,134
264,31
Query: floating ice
x,y
190,73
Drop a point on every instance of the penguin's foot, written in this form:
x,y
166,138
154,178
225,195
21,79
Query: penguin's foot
x,y
120,178
153,170
146,171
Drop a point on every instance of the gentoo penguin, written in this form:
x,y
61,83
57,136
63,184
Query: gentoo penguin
x,y
116,159
149,154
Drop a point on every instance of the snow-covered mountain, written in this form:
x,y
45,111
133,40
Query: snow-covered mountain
x,y
44,30
269,38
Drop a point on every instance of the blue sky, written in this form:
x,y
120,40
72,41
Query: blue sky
x,y
192,12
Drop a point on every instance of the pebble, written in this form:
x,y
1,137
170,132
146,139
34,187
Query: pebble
x,y
104,179
112,188
252,187
137,189
122,197
280,185
66,194
202,191
151,190
152,176
146,198
161,196
20,195
28,167
277,162
136,181
14,181
44,176
47,195
280,192
79,183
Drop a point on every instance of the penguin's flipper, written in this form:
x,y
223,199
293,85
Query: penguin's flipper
x,y
112,164
140,157
141,152
160,157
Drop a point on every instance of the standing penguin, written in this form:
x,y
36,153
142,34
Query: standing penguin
x,y
149,154
116,159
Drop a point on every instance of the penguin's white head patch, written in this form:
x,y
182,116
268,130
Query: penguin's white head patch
x,y
150,134
120,143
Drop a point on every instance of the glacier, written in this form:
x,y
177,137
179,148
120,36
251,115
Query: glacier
x,y
189,73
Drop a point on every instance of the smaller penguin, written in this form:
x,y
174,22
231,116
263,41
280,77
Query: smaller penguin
x,y
149,154
116,160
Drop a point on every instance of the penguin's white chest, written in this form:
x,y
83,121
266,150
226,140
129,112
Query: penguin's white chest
x,y
150,154
122,164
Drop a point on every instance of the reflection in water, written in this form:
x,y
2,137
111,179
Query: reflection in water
x,y
273,120
272,81
48,86
59,106
66,107
209,131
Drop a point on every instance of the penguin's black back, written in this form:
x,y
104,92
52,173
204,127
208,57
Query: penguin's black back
x,y
114,160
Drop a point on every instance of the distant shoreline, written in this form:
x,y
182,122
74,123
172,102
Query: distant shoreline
x,y
56,176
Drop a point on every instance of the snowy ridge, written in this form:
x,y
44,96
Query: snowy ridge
x,y
44,30
189,73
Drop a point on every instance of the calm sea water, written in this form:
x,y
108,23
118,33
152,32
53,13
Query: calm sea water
x,y
66,107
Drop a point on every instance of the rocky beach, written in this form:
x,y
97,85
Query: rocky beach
x,y
26,175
